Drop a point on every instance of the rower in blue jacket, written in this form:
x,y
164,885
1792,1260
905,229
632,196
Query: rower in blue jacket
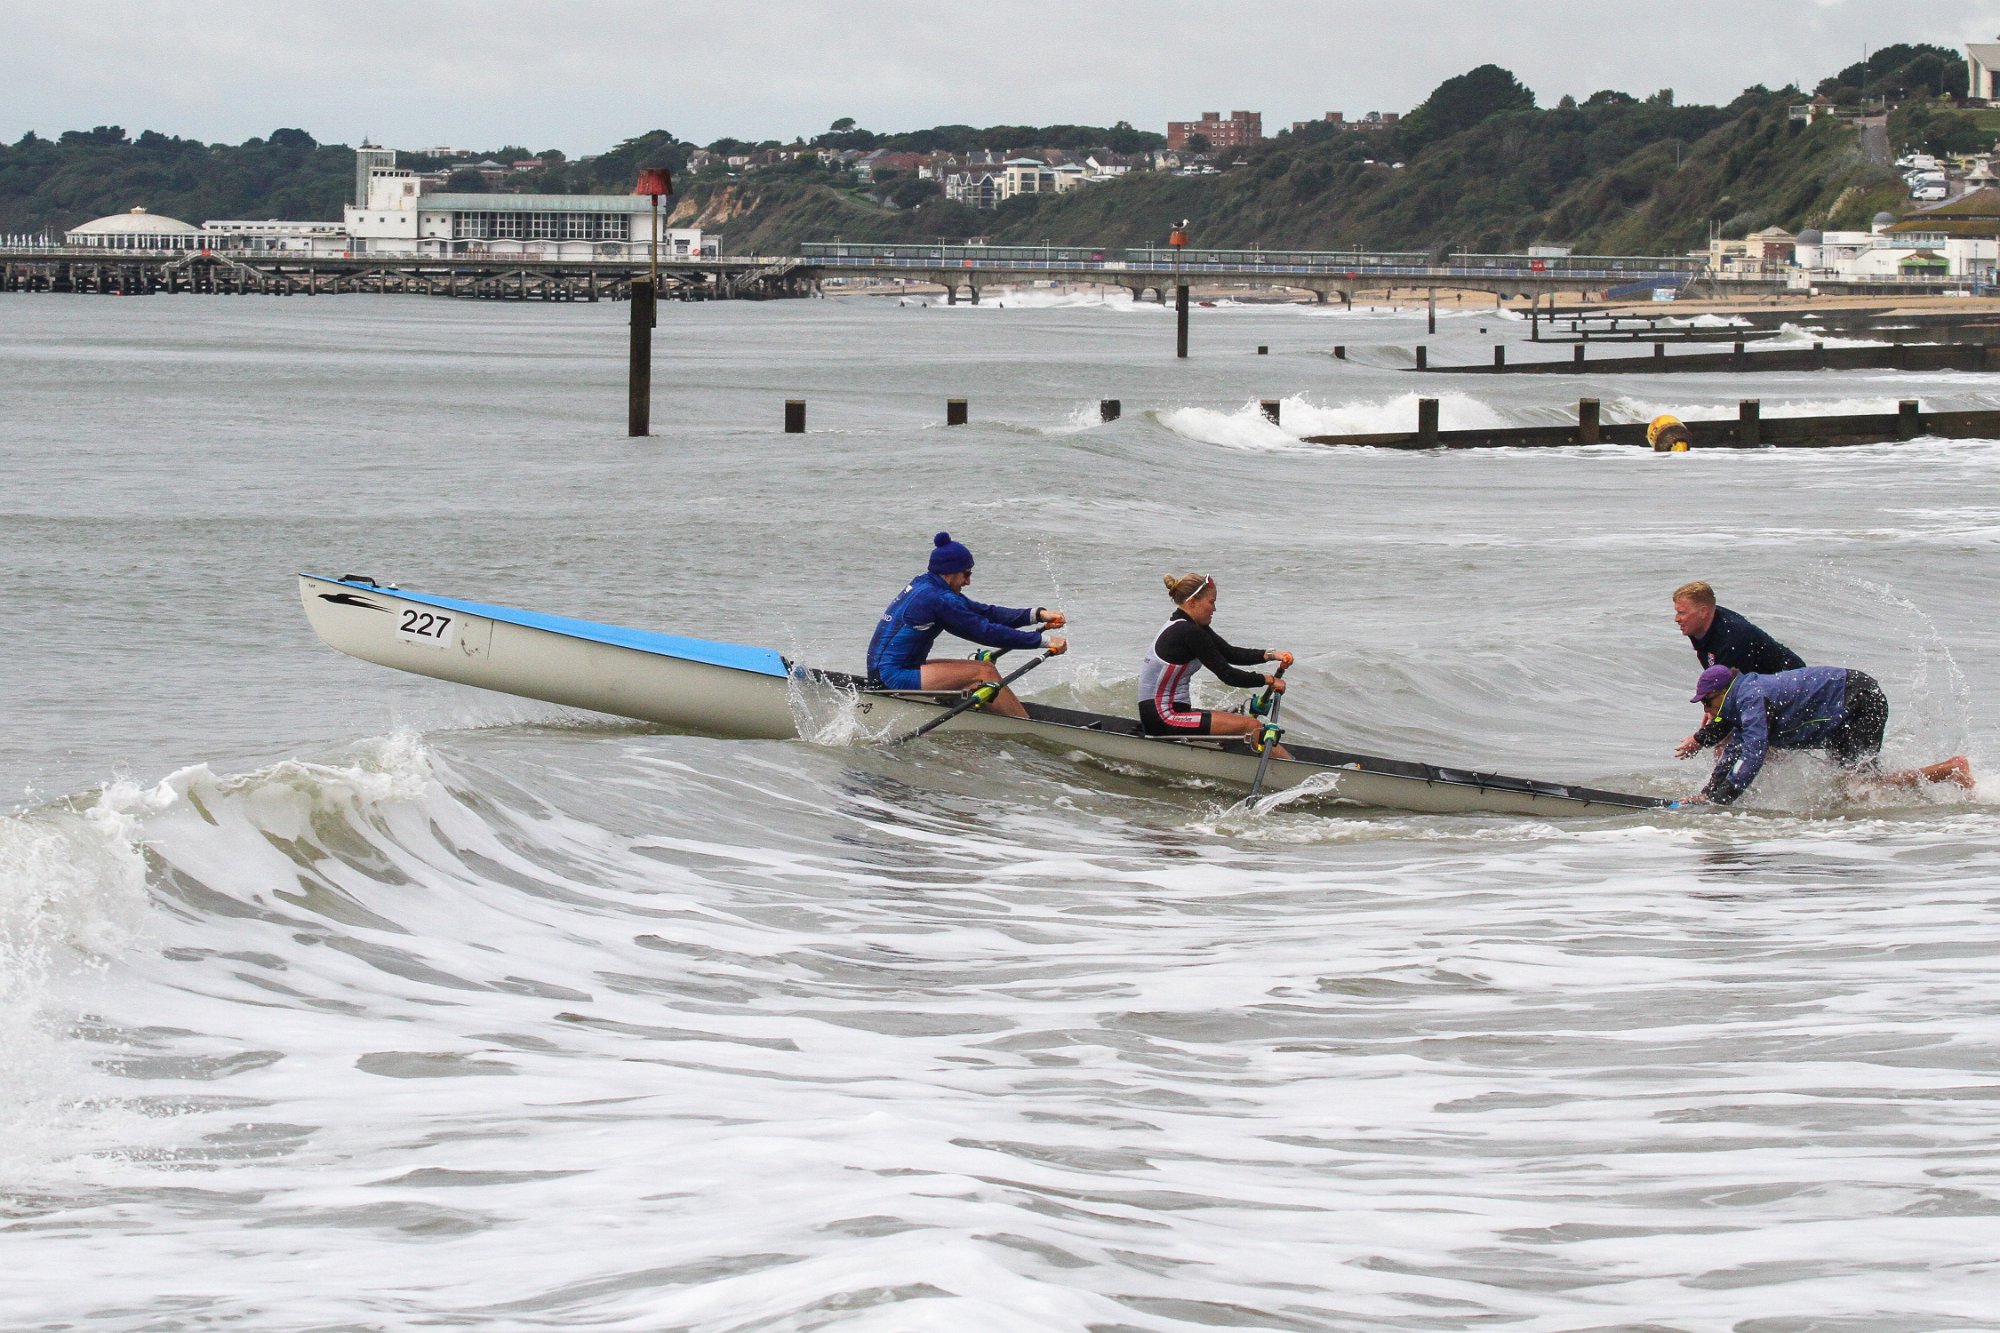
x,y
1814,708
934,602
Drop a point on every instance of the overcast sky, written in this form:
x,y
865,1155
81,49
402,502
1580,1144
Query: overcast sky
x,y
580,75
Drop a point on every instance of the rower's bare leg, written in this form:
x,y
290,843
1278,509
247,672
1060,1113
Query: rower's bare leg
x,y
1241,724
1957,769
969,676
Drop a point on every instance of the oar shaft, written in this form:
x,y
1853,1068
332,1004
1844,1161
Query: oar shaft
x,y
1268,738
974,699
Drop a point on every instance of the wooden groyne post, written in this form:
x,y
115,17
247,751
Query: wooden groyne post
x,y
1586,421
1427,421
1108,409
639,384
795,416
954,412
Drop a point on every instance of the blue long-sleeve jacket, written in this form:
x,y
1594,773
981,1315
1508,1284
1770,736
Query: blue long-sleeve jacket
x,y
1790,710
927,608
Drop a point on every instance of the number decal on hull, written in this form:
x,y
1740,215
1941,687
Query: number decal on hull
x,y
433,629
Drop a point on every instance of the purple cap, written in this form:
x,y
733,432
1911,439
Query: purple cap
x,y
1712,680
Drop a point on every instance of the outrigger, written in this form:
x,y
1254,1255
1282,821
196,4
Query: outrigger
x,y
737,691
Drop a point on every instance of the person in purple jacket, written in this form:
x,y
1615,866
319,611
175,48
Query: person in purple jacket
x,y
935,601
1814,708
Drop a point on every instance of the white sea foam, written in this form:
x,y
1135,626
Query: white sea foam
x,y
534,1024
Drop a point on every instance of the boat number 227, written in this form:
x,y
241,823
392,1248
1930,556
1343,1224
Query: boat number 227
x,y
432,628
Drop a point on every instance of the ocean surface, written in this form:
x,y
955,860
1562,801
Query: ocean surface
x,y
333,998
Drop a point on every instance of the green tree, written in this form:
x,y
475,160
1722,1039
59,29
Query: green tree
x,y
1461,102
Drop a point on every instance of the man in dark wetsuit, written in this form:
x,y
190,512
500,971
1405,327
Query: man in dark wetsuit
x,y
1814,708
1723,638
934,602
1186,644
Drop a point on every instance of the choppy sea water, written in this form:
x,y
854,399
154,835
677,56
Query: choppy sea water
x,y
337,999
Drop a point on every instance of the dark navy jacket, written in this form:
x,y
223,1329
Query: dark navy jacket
x,y
1732,641
1792,710
927,608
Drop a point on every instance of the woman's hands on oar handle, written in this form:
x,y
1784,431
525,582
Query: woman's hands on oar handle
x,y
1276,680
1052,619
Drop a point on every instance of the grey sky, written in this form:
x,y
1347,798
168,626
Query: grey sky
x,y
581,76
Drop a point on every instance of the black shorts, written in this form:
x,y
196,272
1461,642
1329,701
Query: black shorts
x,y
1153,724
1857,741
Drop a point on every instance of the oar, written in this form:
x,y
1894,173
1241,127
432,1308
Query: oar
x,y
979,698
1267,737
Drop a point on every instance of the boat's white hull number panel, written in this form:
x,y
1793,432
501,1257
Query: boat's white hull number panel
x,y
428,626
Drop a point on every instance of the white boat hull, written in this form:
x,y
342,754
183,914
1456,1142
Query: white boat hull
x,y
728,690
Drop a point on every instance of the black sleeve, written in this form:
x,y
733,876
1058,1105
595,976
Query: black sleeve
x,y
1779,657
1719,792
1240,656
1216,656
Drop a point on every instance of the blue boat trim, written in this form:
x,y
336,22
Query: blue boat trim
x,y
735,656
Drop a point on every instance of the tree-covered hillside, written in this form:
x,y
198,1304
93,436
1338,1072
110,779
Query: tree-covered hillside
x,y
1476,166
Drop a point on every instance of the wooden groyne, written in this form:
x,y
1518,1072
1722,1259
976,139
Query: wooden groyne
x,y
1738,361
1749,429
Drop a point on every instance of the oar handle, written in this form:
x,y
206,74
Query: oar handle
x,y
995,654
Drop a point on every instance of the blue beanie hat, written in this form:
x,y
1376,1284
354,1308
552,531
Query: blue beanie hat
x,y
949,557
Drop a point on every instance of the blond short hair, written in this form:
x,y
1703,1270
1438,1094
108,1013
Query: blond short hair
x,y
1697,592
1183,587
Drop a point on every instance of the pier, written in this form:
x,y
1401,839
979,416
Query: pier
x,y
969,269
496,277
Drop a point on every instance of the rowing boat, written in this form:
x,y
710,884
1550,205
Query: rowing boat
x,y
733,690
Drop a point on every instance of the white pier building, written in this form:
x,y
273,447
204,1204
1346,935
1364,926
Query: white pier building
x,y
394,215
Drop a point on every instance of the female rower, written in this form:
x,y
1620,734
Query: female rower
x,y
1184,645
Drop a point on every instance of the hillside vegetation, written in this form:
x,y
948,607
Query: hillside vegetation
x,y
1477,166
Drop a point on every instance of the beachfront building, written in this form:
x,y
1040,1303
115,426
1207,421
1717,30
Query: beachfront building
x,y
1766,253
1240,130
1960,240
136,230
